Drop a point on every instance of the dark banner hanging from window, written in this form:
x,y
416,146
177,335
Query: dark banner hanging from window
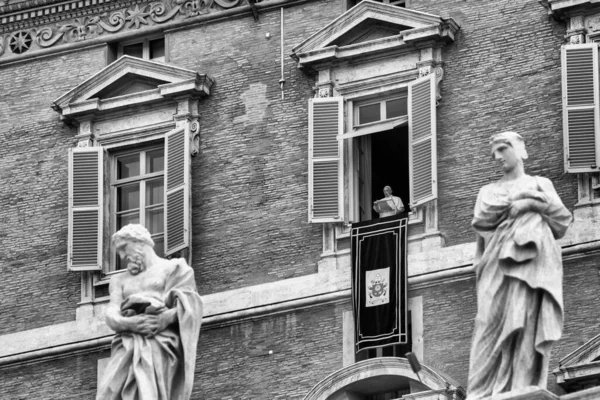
x,y
379,282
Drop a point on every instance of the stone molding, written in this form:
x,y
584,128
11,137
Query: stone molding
x,y
383,366
424,31
580,366
331,284
39,27
81,103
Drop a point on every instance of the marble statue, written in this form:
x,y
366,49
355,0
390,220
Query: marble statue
x,y
389,205
518,266
156,313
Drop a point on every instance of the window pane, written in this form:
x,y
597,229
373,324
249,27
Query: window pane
x,y
129,218
369,113
128,166
155,161
159,246
134,50
154,191
155,220
396,108
128,197
157,49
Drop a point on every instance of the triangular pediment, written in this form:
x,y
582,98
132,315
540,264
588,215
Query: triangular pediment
x,y
585,354
129,81
370,21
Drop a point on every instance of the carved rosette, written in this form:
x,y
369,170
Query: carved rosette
x,y
131,18
323,92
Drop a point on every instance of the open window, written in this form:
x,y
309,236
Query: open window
x,y
392,142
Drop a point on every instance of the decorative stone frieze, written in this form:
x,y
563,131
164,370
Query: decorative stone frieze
x,y
48,25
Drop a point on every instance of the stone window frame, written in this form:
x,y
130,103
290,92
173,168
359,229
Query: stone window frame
x,y
105,125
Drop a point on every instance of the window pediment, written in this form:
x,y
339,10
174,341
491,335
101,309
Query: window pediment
x,y
581,365
131,81
371,28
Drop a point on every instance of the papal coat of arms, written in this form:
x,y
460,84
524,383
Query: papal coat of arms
x,y
377,282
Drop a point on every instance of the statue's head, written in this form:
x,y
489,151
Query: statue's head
x,y
133,243
508,149
512,139
387,190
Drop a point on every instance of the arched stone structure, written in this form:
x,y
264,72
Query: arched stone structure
x,y
386,374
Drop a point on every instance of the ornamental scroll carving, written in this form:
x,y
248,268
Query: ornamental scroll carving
x,y
131,18
439,75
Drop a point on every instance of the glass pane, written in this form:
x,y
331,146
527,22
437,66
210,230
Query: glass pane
x,y
396,108
134,50
129,218
128,197
155,219
128,166
368,114
157,49
159,246
155,160
154,191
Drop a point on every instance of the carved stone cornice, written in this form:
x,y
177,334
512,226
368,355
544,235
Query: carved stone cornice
x,y
416,31
33,26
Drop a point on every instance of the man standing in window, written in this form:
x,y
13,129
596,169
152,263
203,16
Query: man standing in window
x,y
157,312
389,205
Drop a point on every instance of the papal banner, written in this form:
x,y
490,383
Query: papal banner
x,y
379,277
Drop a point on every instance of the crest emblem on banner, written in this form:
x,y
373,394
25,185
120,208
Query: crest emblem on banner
x,y
377,282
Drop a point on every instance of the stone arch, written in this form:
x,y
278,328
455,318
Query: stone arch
x,y
382,372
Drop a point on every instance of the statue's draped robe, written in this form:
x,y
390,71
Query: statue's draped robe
x,y
518,265
159,367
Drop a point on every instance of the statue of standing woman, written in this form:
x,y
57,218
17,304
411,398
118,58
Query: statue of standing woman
x,y
518,265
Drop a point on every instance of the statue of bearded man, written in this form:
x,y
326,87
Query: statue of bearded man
x,y
156,313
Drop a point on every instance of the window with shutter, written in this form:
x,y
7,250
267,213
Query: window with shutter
x,y
177,190
85,209
580,92
422,138
325,159
393,141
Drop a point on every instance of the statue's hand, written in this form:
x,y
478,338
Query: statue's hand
x,y
519,207
144,324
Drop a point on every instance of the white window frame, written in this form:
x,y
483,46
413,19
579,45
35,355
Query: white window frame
x,y
145,47
142,149
382,109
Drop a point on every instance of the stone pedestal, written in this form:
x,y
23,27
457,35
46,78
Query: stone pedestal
x,y
535,393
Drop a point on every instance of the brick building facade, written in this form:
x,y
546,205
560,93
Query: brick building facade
x,y
273,270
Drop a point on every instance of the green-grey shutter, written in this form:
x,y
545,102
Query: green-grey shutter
x,y
325,193
177,190
580,107
422,140
84,244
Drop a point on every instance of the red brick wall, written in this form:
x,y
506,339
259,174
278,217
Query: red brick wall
x,y
232,362
501,73
250,180
449,312
36,289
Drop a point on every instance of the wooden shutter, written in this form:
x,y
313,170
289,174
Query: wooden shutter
x,y
580,107
422,140
177,190
325,181
85,209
